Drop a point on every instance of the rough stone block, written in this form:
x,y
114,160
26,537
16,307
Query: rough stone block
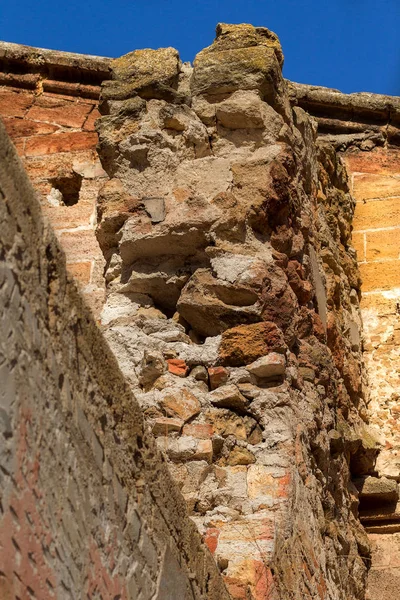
x,y
376,489
383,245
271,365
380,276
244,344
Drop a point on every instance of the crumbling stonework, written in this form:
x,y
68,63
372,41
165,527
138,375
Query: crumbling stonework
x,y
233,308
88,507
225,220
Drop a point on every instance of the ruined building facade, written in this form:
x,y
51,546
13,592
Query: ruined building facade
x,y
206,405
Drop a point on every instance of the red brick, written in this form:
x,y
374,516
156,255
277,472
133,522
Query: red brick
x,y
60,142
14,104
177,367
211,539
218,376
17,128
59,111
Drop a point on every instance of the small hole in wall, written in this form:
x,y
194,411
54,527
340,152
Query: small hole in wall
x,y
66,190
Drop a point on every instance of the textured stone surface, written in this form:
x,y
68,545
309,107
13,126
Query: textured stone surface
x,y
213,165
88,505
248,267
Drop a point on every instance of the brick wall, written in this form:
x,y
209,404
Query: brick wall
x,y
375,177
87,506
376,187
48,103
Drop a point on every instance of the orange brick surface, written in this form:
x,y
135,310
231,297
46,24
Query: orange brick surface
x,y
383,244
380,304
381,161
14,104
376,214
55,165
369,186
17,128
61,142
81,271
91,119
59,111
380,276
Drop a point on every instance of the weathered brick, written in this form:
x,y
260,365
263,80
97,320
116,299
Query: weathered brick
x,y
366,187
59,111
381,161
18,128
66,217
81,271
80,245
14,104
376,214
380,276
61,142
380,304
383,244
56,165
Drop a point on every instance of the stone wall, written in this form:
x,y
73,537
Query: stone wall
x,y
88,508
365,129
48,103
233,305
233,309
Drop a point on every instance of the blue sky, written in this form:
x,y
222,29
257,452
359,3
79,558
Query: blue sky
x,y
351,45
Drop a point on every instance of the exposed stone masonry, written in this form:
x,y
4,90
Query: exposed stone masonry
x,y
233,308
233,293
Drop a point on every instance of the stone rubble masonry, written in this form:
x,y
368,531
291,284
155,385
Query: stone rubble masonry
x,y
88,507
226,230
263,455
48,104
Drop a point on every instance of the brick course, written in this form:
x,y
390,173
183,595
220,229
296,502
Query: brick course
x,y
53,132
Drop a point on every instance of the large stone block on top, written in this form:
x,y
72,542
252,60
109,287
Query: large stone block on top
x,y
242,57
